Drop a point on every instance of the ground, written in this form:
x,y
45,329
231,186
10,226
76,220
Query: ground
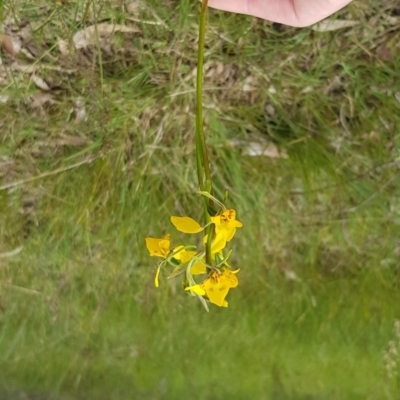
x,y
97,152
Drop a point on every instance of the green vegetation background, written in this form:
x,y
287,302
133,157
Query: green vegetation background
x,y
112,149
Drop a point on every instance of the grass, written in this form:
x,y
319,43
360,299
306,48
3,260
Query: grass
x,y
319,280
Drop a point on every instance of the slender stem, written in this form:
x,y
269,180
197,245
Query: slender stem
x,y
203,164
199,163
201,148
203,168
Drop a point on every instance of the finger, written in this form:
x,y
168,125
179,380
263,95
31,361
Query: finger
x,y
267,9
236,6
289,12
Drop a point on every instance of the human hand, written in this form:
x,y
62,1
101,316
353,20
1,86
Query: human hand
x,y
290,12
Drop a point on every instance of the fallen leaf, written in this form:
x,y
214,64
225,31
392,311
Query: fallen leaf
x,y
40,83
259,148
10,45
254,149
24,68
384,52
133,7
219,73
79,110
291,275
249,84
38,100
270,109
63,47
88,36
333,25
213,69
307,89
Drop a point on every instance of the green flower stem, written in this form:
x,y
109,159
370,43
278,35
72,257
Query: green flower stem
x,y
210,228
201,149
203,164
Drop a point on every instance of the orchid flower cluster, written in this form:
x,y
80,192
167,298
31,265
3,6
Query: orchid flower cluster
x,y
188,260
211,261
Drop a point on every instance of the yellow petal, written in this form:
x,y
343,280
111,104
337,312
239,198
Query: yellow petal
x,y
177,252
196,289
229,278
230,234
187,255
198,269
229,215
186,224
158,247
165,245
217,294
235,224
216,220
156,283
216,289
218,244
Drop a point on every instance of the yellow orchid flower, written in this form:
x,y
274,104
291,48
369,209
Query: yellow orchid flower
x,y
159,247
184,256
216,286
162,248
225,228
225,225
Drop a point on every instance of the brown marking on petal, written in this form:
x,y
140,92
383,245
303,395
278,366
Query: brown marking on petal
x,y
231,214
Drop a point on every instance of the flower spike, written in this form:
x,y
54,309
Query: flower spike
x,y
220,223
